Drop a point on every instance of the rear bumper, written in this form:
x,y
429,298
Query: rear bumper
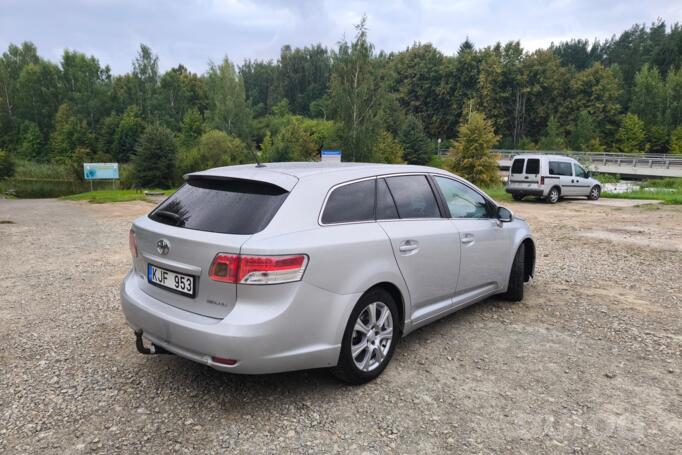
x,y
525,191
302,330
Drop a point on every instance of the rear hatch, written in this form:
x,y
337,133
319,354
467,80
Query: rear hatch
x,y
524,173
178,240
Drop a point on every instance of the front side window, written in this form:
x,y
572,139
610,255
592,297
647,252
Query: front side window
x,y
579,171
462,201
413,196
350,203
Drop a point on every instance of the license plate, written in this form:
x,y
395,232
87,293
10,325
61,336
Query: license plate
x,y
173,281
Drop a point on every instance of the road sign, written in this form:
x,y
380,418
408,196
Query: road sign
x,y
100,171
330,155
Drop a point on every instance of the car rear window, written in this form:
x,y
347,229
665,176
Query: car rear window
x,y
350,203
413,196
232,206
517,166
532,166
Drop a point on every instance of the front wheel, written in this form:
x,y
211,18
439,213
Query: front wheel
x,y
370,337
595,193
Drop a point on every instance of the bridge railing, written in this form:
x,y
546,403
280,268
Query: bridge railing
x,y
651,160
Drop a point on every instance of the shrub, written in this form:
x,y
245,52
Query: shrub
x,y
216,148
6,164
470,157
154,159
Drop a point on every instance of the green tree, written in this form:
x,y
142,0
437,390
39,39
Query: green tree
x,y
86,86
30,145
293,143
6,164
303,76
355,93
649,97
676,141
127,134
470,156
673,87
387,149
70,132
416,148
228,110
154,159
553,138
145,77
631,135
261,85
215,148
190,128
179,92
583,133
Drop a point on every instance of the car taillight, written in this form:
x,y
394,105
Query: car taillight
x,y
231,268
542,180
132,243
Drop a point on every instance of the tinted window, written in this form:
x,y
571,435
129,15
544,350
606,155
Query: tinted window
x,y
579,171
224,206
517,166
413,196
349,203
386,209
462,201
560,168
533,166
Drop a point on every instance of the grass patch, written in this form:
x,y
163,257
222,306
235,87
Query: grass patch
x,y
668,190
498,193
105,196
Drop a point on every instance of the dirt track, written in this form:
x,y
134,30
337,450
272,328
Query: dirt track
x,y
591,361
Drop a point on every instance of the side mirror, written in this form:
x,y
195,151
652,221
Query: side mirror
x,y
589,175
504,215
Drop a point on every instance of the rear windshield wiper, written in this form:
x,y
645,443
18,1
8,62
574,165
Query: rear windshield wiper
x,y
170,215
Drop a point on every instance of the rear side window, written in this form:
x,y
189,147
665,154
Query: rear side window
x,y
413,196
560,168
350,203
517,166
532,166
386,209
241,207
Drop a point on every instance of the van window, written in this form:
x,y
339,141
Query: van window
x,y
579,171
232,206
532,166
517,166
350,203
560,168
413,196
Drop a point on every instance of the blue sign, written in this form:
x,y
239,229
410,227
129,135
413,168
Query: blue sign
x,y
330,155
100,171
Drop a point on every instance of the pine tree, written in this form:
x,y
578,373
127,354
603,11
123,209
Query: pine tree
x,y
470,157
631,135
387,149
414,142
553,138
154,159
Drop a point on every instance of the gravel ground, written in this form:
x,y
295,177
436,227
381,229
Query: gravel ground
x,y
590,361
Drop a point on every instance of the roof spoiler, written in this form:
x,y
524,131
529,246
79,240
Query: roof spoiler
x,y
262,174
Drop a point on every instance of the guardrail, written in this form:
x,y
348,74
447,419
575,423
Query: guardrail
x,y
644,160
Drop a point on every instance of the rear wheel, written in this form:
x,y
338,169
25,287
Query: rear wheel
x,y
518,197
369,339
553,195
595,193
516,276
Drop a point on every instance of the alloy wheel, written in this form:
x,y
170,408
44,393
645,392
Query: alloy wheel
x,y
372,336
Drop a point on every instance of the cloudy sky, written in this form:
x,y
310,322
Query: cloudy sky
x,y
193,32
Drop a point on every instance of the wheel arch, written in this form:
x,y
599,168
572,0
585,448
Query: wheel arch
x,y
397,295
529,259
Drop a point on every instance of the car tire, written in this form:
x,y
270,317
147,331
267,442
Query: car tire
x,y
517,197
516,276
595,193
365,365
554,195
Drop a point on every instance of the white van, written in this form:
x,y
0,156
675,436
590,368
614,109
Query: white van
x,y
550,177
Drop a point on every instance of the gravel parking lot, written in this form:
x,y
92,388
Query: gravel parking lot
x,y
591,361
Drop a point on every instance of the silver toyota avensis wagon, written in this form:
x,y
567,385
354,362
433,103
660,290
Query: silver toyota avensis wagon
x,y
305,265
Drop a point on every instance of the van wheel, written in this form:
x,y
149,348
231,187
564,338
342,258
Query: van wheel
x,y
515,289
595,192
370,337
553,196
518,197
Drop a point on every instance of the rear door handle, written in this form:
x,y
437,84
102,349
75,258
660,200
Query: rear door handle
x,y
467,238
408,245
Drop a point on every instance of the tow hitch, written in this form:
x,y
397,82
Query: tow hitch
x,y
152,349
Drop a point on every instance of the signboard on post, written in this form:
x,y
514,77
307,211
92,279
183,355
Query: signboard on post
x,y
100,171
330,155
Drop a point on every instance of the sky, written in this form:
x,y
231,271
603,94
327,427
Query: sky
x,y
194,32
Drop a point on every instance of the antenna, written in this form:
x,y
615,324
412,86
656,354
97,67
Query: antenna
x,y
255,157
